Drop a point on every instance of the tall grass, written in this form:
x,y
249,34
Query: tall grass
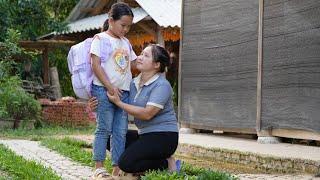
x,y
19,168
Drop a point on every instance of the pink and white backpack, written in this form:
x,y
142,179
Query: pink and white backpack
x,y
79,64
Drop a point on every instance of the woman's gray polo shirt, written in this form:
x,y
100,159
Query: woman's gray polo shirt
x,y
156,92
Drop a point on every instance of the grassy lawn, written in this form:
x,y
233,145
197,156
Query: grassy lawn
x,y
46,131
78,151
15,167
4,175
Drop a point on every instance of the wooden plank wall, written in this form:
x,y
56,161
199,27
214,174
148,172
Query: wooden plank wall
x,y
219,63
291,65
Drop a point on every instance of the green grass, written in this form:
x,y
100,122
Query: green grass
x,y
37,134
188,172
18,168
74,149
4,175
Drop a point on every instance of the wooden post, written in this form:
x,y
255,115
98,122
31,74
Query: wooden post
x,y
54,76
45,66
184,128
264,136
180,62
260,60
160,39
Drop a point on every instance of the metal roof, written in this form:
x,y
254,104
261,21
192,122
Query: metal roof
x,y
76,13
96,22
164,12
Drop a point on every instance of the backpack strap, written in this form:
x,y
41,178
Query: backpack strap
x,y
128,43
105,48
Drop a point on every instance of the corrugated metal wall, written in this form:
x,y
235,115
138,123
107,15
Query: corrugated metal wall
x,y
219,64
291,65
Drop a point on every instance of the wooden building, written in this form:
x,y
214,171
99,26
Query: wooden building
x,y
251,66
154,22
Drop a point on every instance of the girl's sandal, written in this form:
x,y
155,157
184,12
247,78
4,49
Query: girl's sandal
x,y
101,174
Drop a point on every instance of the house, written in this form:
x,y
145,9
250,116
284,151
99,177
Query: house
x,y
251,66
154,22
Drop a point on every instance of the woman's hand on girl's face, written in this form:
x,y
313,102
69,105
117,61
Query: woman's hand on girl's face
x,y
114,98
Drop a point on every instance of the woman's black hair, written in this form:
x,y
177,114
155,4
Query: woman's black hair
x,y
116,12
161,55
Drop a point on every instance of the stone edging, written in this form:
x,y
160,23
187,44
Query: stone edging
x,y
283,165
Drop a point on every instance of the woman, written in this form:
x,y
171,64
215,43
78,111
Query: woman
x,y
150,102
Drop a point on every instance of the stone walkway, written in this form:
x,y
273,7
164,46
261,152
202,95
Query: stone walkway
x,y
68,169
65,167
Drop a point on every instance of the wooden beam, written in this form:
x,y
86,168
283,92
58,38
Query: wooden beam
x,y
87,10
42,44
99,8
298,134
206,127
45,65
147,29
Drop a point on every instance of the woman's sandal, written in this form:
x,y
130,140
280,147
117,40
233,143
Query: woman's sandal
x,y
101,174
128,176
178,165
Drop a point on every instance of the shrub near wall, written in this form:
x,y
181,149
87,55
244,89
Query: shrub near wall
x,y
15,104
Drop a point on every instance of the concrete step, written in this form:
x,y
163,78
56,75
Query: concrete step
x,y
282,157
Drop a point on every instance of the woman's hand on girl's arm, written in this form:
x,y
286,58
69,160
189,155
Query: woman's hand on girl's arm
x,y
92,103
114,98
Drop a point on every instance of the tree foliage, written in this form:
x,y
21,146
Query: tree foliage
x,y
34,18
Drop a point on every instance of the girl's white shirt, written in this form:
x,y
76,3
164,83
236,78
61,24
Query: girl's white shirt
x,y
117,67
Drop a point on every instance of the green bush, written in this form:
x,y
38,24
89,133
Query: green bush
x,y
15,103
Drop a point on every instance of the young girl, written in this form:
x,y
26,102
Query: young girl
x,y
111,75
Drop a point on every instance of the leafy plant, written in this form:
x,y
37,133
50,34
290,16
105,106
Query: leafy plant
x,y
15,102
165,175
